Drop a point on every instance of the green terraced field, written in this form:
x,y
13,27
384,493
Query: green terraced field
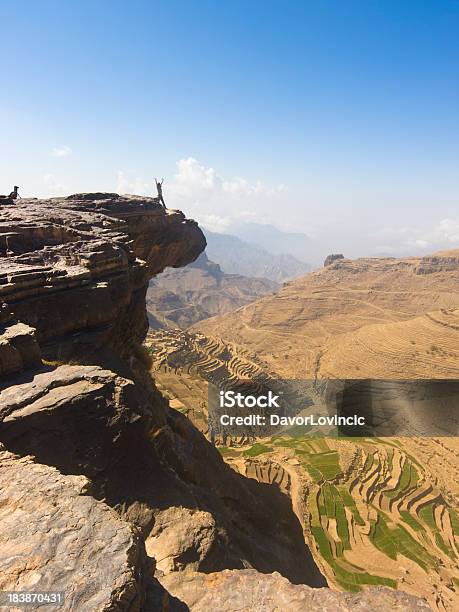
x,y
315,454
350,581
335,530
409,479
427,515
402,533
454,516
397,540
257,449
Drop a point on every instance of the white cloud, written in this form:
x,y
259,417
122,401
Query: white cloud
x,y
194,179
215,201
447,231
134,185
219,202
53,187
405,240
62,151
214,223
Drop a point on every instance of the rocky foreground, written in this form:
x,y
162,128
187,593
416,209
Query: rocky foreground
x,y
248,591
106,492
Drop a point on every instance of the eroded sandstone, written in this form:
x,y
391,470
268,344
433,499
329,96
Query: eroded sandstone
x,y
248,591
76,269
56,537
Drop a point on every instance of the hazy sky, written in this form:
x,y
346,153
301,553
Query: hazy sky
x,y
339,119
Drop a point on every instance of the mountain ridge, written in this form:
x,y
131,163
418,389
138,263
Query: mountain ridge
x,y
237,256
341,297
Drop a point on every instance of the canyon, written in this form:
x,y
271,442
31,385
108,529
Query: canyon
x,y
184,296
108,492
374,510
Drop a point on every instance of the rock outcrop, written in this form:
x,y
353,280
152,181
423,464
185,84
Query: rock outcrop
x,y
76,395
76,269
153,467
52,532
247,591
332,258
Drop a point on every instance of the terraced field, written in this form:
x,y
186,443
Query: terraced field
x,y
307,328
417,348
212,359
369,512
373,511
184,364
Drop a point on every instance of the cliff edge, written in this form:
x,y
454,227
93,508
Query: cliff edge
x,y
75,272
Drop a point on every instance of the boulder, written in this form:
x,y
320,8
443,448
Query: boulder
x,y
56,537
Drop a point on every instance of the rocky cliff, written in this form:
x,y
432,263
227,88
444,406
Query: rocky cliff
x,y
248,591
76,270
100,481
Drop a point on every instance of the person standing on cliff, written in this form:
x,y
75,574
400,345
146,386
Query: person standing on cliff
x,y
159,189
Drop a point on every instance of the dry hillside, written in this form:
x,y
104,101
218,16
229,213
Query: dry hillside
x,y
365,317
183,296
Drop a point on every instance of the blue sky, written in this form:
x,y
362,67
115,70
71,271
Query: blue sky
x,y
342,115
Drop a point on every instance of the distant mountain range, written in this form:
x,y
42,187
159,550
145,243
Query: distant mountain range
x,y
274,240
184,296
237,256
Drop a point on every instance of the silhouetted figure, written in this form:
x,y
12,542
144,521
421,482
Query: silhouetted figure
x,y
14,194
159,189
9,199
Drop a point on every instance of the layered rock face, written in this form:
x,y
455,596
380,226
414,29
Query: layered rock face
x,y
98,476
73,277
76,270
